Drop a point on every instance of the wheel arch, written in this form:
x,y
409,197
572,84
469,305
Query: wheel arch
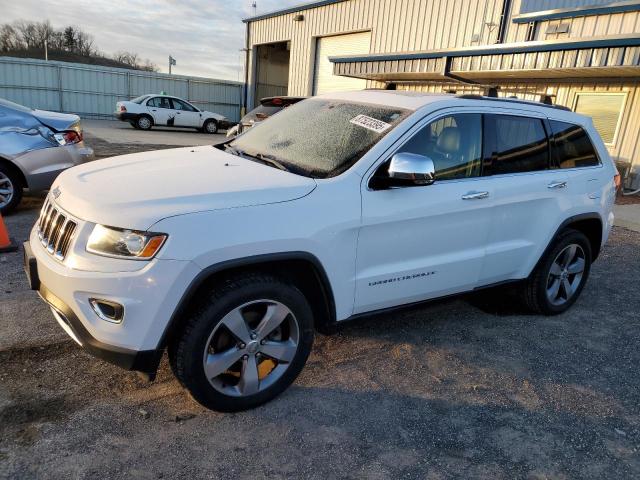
x,y
301,268
16,169
145,114
588,223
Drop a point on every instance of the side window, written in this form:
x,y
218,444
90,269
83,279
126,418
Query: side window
x,y
572,146
521,145
159,102
454,143
180,105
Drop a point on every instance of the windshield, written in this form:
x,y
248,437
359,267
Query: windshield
x,y
319,137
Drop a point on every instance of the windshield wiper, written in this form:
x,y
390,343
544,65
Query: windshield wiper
x,y
271,159
268,159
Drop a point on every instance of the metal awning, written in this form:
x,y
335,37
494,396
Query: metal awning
x,y
603,57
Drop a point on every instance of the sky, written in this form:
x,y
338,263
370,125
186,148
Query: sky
x,y
204,36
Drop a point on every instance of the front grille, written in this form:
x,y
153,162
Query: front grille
x,y
55,230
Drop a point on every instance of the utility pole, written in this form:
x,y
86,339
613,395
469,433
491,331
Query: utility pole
x,y
254,5
172,61
46,50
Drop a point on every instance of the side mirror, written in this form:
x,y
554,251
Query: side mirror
x,y
412,168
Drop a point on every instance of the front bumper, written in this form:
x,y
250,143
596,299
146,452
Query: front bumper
x,y
226,124
149,296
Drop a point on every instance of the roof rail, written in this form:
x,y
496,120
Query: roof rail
x,y
545,100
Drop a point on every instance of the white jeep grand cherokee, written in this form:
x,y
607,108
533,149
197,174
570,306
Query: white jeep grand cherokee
x,y
231,256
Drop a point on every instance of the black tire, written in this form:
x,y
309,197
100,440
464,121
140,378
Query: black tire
x,y
10,176
187,348
135,125
144,122
210,126
534,289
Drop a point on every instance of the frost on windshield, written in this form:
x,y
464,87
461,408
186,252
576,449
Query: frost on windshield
x,y
319,136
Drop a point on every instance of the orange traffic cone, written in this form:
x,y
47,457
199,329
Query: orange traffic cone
x,y
6,244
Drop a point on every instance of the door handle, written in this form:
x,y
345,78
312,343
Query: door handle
x,y
475,195
154,110
557,185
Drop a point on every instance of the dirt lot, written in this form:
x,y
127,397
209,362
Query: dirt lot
x,y
465,388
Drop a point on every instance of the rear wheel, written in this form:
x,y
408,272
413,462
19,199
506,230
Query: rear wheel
x,y
560,276
245,345
10,189
144,122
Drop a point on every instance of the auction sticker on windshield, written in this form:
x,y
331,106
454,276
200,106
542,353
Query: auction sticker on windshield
x,y
369,123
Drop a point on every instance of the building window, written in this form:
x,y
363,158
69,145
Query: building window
x,y
606,111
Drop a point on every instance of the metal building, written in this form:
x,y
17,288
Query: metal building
x,y
586,53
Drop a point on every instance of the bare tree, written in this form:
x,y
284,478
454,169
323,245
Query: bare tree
x,y
9,38
70,42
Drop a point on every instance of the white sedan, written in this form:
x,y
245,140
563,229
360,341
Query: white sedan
x,y
164,111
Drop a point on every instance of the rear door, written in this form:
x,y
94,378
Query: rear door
x,y
161,110
422,242
529,195
186,115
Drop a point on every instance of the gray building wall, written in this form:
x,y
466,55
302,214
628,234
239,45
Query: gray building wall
x,y
92,91
395,25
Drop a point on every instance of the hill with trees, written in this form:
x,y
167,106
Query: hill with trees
x,y
70,44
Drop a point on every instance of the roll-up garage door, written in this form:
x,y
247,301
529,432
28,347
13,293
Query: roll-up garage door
x,y
351,44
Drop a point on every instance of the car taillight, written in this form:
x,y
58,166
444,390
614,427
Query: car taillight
x,y
68,137
617,180
123,108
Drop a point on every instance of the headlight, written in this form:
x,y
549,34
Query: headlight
x,y
121,243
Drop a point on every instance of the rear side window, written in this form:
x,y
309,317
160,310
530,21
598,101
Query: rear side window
x,y
159,102
521,145
572,146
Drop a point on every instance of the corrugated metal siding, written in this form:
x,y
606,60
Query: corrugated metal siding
x,y
395,25
93,90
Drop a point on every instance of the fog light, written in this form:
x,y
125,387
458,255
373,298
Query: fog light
x,y
109,311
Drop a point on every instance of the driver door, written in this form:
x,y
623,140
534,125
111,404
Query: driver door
x,y
421,242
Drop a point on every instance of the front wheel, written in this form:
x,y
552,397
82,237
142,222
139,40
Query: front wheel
x,y
560,276
245,345
210,126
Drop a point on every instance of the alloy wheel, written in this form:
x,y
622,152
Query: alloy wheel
x,y
6,190
566,274
251,348
144,123
212,127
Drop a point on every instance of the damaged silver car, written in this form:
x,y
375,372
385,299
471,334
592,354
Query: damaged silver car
x,y
35,146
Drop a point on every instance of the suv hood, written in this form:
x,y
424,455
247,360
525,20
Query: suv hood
x,y
135,191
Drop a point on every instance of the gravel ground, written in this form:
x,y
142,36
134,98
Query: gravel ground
x,y
466,388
